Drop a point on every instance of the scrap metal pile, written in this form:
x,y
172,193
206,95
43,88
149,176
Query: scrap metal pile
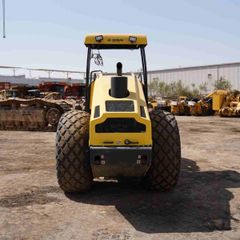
x,y
34,110
31,114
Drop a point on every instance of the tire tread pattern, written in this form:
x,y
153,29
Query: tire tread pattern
x,y
166,153
73,165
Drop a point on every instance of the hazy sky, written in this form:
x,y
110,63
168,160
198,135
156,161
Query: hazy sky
x,y
50,34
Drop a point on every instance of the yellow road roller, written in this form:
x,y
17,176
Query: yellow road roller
x,y
115,136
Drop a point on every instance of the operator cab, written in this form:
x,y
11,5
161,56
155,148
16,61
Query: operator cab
x,y
110,42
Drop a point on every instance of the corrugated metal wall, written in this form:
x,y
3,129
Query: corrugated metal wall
x,y
35,81
200,75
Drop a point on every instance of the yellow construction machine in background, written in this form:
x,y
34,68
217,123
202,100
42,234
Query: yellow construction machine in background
x,y
226,103
152,103
230,105
219,102
180,107
159,104
203,107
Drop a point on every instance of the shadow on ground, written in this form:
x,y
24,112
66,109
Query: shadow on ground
x,y
200,202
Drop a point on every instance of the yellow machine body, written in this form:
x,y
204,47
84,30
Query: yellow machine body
x,y
100,95
120,132
218,98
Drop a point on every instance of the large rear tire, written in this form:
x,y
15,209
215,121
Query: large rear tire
x,y
166,155
73,164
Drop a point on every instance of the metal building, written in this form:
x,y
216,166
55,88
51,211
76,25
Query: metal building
x,y
33,76
200,74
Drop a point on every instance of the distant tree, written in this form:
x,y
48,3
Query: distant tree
x,y
223,84
162,88
167,90
153,87
175,89
181,89
203,88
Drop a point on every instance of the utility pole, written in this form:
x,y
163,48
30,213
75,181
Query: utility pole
x,y
3,13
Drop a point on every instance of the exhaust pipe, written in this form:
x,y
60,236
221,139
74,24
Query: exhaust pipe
x,y
119,84
119,69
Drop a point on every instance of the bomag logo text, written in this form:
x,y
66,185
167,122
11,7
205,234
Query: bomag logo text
x,y
115,40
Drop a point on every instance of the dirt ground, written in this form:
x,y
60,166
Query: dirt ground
x,y
204,205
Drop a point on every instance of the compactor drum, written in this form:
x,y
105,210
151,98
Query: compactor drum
x,y
116,136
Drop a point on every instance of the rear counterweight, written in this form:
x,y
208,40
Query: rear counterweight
x,y
120,161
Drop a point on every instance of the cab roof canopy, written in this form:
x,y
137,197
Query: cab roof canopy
x,y
115,41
